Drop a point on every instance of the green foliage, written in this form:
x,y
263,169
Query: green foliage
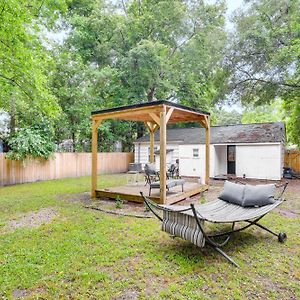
x,y
263,58
202,200
264,50
154,49
292,116
32,142
222,117
24,62
263,113
125,52
119,202
151,50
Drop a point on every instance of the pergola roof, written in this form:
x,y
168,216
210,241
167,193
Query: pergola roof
x,y
155,115
146,112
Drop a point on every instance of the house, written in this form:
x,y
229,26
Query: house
x,y
245,150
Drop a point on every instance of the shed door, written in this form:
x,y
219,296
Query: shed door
x,y
231,159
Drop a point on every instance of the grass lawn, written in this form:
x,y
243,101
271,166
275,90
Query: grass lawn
x,y
81,253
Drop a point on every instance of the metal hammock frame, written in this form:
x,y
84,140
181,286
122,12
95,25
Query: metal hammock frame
x,y
210,239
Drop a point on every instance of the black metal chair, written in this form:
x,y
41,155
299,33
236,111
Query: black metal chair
x,y
151,174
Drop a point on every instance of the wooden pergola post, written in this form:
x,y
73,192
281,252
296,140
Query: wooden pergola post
x,y
95,125
151,146
207,148
152,127
162,152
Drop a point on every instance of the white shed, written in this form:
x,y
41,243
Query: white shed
x,y
246,150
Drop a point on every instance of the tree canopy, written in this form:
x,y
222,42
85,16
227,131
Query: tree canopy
x,y
263,57
131,51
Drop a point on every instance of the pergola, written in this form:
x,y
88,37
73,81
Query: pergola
x,y
155,115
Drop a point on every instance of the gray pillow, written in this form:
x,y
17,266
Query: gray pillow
x,y
233,193
259,195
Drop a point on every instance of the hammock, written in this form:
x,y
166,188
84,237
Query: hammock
x,y
188,222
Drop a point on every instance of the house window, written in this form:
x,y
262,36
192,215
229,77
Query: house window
x,y
195,153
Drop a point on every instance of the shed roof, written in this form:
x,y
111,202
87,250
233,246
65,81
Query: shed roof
x,y
242,133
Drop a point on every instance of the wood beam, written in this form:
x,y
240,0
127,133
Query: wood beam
x,y
151,147
162,151
155,118
95,125
155,127
151,127
169,113
207,150
203,123
207,121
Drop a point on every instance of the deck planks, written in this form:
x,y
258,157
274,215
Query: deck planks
x,y
131,192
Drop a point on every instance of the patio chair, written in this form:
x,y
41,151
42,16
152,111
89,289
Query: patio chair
x,y
188,222
171,171
170,183
150,174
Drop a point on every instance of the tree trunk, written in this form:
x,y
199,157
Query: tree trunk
x,y
74,143
151,94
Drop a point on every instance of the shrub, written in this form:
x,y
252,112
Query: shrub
x,y
119,202
30,143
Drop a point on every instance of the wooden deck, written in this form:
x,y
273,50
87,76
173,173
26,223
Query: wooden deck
x,y
131,192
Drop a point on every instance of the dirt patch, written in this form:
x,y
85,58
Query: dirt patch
x,y
25,293
128,295
288,213
32,219
105,205
84,198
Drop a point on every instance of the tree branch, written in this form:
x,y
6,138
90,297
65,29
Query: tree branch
x,y
267,81
14,82
124,7
185,41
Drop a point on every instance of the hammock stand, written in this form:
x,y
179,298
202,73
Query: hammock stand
x,y
187,222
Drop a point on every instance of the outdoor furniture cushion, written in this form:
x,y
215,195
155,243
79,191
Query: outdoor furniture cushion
x,y
233,193
169,183
184,226
259,195
150,168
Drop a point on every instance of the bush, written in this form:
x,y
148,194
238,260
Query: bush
x,y
119,202
31,142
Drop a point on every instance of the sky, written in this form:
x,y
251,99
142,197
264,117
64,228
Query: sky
x,y
231,6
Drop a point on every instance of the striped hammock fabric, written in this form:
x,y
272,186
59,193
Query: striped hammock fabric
x,y
183,225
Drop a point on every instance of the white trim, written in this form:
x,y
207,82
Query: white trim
x,y
212,144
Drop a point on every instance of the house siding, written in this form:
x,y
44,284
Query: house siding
x,y
142,153
260,161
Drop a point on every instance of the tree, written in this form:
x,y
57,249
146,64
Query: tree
x,y
264,57
140,51
264,113
25,63
223,117
157,49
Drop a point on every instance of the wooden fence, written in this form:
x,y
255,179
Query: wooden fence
x,y
63,165
292,160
